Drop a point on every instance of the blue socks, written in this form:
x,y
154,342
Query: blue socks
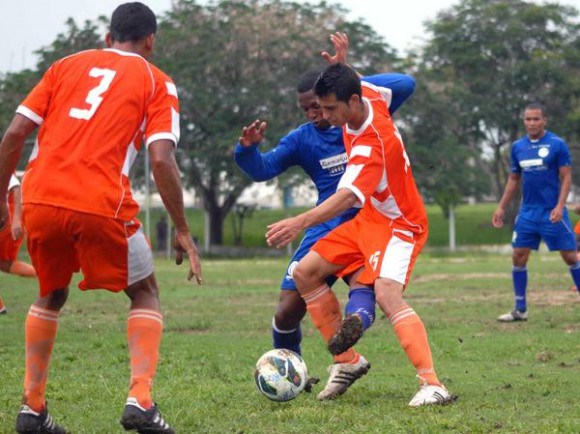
x,y
289,339
575,272
361,301
520,279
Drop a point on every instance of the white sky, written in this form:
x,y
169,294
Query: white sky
x,y
28,25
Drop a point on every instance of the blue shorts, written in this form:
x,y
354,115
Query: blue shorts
x,y
533,225
311,236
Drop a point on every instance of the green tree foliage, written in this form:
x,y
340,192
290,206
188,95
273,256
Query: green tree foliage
x,y
237,61
15,86
487,59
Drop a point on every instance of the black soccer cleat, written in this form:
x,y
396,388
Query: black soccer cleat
x,y
29,421
144,421
351,330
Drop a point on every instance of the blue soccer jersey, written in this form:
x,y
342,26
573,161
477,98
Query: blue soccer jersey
x,y
539,162
321,154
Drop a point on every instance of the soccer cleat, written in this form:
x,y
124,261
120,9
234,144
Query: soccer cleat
x,y
351,330
143,421
432,395
29,421
310,382
3,310
342,375
514,315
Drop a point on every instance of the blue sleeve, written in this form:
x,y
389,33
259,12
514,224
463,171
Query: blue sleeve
x,y
401,85
264,166
564,158
514,162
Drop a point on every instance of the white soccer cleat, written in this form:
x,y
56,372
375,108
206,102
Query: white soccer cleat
x,y
432,395
342,376
513,316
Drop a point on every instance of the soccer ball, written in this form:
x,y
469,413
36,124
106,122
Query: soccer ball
x,y
280,374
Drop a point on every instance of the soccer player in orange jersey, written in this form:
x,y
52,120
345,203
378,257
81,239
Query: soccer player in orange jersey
x,y
94,109
382,241
11,238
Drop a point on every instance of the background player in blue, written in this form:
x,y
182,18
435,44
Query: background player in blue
x,y
541,162
318,149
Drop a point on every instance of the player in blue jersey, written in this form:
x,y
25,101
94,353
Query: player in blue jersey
x,y
541,162
318,149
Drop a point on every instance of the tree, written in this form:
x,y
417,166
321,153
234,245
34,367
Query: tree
x,y
237,61
492,57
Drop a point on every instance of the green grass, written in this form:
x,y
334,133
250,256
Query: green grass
x,y
473,226
511,378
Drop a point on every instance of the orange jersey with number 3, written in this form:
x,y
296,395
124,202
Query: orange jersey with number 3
x,y
94,108
379,172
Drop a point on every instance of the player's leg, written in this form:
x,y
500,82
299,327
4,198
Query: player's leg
x,y
520,258
144,331
560,236
45,238
286,331
3,309
323,306
359,315
526,237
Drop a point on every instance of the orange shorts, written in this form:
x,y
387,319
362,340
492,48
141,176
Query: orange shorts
x,y
382,250
577,228
111,254
8,247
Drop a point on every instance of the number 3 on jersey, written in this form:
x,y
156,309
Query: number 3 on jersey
x,y
94,98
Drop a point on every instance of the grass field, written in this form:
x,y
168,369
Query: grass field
x,y
473,225
510,378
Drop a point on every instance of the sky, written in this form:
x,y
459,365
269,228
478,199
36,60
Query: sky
x,y
28,25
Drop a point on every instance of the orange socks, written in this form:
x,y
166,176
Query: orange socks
x,y
324,310
144,330
413,338
40,333
22,269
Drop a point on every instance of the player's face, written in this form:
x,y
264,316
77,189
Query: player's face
x,y
535,123
312,110
336,112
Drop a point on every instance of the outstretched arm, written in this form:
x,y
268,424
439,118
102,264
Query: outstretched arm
x,y
262,166
281,233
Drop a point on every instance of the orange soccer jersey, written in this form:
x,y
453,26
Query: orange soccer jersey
x,y
379,171
94,108
388,233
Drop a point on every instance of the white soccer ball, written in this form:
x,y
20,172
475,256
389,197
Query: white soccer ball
x,y
280,374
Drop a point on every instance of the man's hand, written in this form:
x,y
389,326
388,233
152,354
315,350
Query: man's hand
x,y
16,229
340,42
497,219
282,233
556,215
253,133
184,244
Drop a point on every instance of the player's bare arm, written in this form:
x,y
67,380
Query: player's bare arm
x,y
510,188
566,182
167,179
253,133
281,233
17,231
10,150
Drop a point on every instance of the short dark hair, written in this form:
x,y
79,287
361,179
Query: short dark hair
x,y
536,106
307,80
339,79
132,22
